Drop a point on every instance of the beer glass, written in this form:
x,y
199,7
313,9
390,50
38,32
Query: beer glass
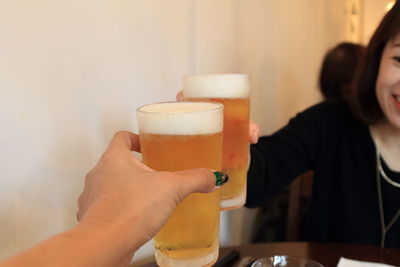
x,y
233,91
177,136
285,261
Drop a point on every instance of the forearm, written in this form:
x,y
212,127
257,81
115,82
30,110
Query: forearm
x,y
83,245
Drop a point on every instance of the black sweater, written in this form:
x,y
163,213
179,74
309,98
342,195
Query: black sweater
x,y
327,139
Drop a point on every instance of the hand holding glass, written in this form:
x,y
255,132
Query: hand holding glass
x,y
178,136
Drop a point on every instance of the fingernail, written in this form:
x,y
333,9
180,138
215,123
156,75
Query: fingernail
x,y
220,178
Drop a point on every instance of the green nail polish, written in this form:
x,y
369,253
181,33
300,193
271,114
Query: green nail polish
x,y
220,178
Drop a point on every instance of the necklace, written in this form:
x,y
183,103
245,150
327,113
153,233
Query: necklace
x,y
379,172
382,172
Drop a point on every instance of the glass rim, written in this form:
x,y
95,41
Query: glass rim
x,y
288,257
217,107
216,74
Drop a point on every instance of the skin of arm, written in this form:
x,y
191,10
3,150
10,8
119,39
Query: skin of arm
x,y
123,205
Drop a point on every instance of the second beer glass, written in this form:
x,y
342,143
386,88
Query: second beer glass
x,y
178,136
233,91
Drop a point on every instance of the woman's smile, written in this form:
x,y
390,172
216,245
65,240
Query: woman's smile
x,y
388,82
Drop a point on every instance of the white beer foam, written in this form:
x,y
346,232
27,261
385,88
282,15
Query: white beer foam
x,y
181,118
216,86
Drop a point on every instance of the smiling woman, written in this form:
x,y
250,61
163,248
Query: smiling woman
x,y
353,148
388,82
377,90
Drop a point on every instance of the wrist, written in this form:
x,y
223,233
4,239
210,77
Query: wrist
x,y
115,242
116,233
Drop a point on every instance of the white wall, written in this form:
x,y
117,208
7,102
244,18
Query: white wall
x,y
281,43
373,11
72,73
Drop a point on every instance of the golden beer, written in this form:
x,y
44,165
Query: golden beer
x,y
177,136
232,90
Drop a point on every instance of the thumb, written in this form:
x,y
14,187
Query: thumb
x,y
179,96
200,180
254,132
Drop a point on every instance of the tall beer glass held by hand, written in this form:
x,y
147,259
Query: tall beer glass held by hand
x,y
233,91
177,136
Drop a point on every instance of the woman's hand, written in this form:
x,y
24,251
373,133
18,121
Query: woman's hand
x,y
254,132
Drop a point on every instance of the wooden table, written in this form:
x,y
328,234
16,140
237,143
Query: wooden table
x,y
327,254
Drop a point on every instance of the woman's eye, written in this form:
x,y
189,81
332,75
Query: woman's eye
x,y
396,58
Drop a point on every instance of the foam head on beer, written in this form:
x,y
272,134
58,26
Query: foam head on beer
x,y
180,118
216,86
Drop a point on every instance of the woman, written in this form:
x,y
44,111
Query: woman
x,y
353,148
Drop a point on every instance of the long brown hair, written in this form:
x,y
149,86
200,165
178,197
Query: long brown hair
x,y
363,100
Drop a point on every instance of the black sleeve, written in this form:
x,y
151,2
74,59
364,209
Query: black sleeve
x,y
278,159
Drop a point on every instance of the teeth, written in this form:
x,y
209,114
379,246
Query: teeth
x,y
397,97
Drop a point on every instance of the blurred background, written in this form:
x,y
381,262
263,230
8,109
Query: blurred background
x,y
72,72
